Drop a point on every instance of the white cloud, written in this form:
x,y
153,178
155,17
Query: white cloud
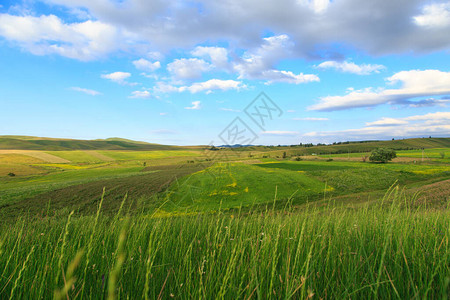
x,y
437,116
214,84
387,122
195,105
191,68
217,55
44,35
140,94
263,58
145,65
118,77
288,77
206,86
280,132
315,26
434,124
86,91
414,84
310,119
162,113
350,67
259,63
436,15
320,6
162,87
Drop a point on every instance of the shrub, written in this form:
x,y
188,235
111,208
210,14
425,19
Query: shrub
x,y
11,174
382,155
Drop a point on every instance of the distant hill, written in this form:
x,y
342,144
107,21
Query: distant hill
x,y
352,147
367,146
54,144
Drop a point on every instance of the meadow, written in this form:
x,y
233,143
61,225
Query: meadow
x,y
381,252
262,222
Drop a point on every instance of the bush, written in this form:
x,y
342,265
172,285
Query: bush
x,y
382,155
11,174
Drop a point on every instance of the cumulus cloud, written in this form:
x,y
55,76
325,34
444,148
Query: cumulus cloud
x,y
259,63
214,84
436,15
206,86
44,35
351,67
195,105
118,77
413,84
381,27
140,94
145,65
191,68
217,55
435,124
86,91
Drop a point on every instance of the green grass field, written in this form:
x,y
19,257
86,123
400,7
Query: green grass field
x,y
379,252
231,185
229,224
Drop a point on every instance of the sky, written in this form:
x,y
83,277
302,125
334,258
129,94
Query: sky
x,y
225,72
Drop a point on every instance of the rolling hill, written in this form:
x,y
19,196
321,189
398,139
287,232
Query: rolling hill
x,y
54,144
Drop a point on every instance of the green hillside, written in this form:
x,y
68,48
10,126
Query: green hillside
x,y
356,147
367,146
55,144
52,144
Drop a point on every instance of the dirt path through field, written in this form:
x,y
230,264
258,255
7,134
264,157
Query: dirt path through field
x,y
38,154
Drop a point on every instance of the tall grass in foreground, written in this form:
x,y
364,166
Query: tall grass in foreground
x,y
377,252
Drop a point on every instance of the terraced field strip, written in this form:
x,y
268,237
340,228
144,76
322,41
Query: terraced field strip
x,y
99,155
38,154
83,195
76,156
143,155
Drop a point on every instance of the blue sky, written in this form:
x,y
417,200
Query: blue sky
x,y
179,72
